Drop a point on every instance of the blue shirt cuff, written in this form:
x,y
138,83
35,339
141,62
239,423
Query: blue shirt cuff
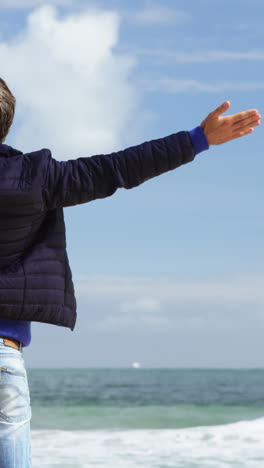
x,y
200,142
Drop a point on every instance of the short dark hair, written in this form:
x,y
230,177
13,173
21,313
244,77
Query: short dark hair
x,y
7,109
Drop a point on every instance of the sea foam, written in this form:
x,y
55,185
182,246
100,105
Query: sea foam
x,y
239,445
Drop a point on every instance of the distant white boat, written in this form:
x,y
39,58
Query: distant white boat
x,y
136,365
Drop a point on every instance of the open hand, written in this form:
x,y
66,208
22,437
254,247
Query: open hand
x,y
220,129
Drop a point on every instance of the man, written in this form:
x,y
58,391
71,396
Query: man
x,y
35,277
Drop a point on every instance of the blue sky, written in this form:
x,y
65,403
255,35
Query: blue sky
x,y
171,273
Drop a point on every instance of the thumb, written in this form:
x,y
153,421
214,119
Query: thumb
x,y
221,109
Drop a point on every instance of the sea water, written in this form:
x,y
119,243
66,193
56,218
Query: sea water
x,y
149,418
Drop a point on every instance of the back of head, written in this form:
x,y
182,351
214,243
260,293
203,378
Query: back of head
x,y
7,109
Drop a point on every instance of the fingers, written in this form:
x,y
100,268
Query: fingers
x,y
249,114
221,109
252,121
241,134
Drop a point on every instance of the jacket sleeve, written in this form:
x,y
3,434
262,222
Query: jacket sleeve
x,y
81,180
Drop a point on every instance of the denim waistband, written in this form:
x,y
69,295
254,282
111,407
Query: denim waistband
x,y
5,347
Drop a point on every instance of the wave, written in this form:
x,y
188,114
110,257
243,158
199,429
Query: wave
x,y
141,417
239,444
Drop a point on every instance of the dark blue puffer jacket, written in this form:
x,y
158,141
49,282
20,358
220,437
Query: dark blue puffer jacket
x,y
35,276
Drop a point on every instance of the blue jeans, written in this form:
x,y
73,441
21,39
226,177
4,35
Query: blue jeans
x,y
15,410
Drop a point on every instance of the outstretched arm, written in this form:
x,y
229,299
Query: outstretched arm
x,y
81,180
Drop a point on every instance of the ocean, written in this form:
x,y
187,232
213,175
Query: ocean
x,y
147,418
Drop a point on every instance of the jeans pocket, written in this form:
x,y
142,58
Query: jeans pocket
x,y
14,394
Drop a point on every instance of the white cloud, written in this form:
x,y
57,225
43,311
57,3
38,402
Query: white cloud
x,y
133,303
73,91
145,304
149,293
215,322
173,86
201,56
128,322
154,14
20,4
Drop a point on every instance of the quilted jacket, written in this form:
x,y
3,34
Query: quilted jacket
x,y
35,276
